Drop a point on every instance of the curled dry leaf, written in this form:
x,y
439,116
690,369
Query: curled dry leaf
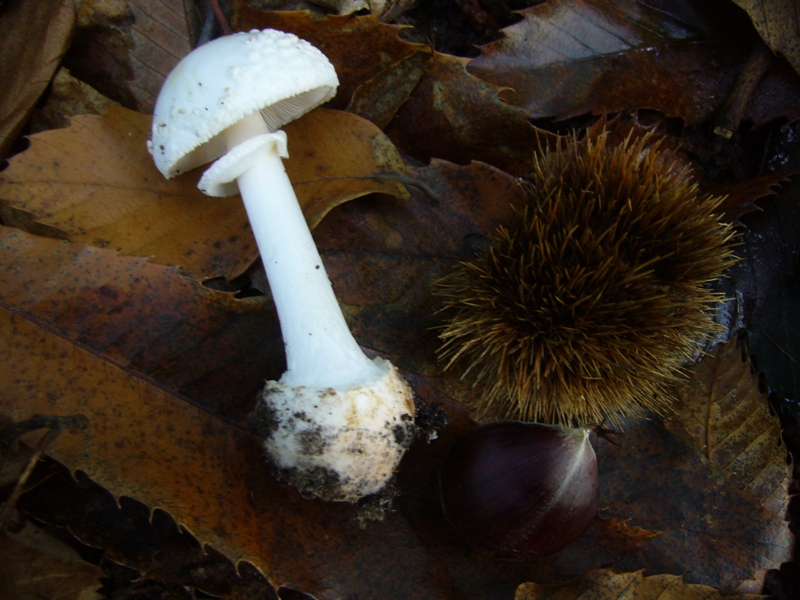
x,y
95,182
35,36
569,57
604,584
725,414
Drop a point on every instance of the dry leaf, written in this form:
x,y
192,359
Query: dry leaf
x,y
571,57
778,24
95,182
725,414
35,36
607,585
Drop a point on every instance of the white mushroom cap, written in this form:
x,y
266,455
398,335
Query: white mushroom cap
x,y
220,83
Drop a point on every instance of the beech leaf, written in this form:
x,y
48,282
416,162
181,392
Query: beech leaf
x,y
95,182
725,414
570,57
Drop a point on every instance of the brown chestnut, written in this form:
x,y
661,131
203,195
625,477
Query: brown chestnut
x,y
518,490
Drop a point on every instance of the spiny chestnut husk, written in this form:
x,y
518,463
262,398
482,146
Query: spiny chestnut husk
x,y
583,309
517,490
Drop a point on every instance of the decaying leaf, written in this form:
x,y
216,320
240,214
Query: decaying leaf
x,y
774,337
35,36
725,414
604,584
778,24
569,57
95,182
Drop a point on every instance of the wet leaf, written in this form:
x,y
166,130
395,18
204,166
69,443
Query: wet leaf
x,y
774,338
569,57
95,182
607,585
778,24
35,36
725,414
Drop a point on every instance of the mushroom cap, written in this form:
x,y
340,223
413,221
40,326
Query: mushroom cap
x,y
223,81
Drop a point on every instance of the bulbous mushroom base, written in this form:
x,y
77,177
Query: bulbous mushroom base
x,y
338,445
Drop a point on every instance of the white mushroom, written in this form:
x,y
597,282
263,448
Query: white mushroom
x,y
337,423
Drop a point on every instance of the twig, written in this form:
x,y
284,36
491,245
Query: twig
x,y
730,116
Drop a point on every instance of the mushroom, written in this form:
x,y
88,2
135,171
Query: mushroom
x,y
337,423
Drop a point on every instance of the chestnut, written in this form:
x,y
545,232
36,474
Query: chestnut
x,y
517,490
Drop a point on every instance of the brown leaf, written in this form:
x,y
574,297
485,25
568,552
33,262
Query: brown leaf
x,y
778,24
725,414
571,57
95,182
455,116
604,584
193,341
34,564
69,331
35,36
740,198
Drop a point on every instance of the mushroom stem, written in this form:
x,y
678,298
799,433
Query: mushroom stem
x,y
320,350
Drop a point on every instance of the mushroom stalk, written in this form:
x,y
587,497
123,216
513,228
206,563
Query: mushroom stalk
x,y
320,350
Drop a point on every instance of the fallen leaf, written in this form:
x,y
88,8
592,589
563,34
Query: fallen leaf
x,y
35,36
95,182
570,57
723,411
774,336
604,584
778,24
455,116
